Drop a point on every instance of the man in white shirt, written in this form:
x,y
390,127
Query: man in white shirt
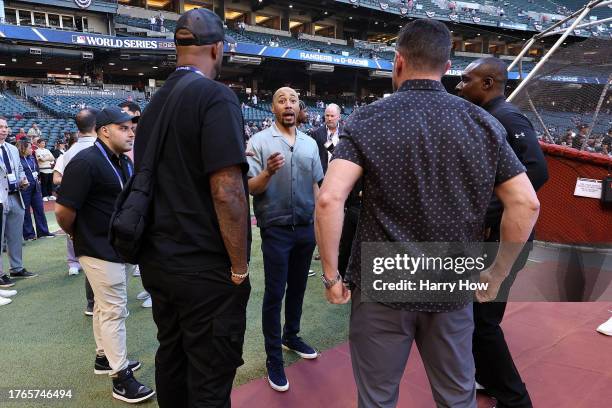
x,y
86,124
34,131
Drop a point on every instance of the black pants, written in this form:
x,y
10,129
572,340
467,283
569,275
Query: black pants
x,y
200,329
349,229
46,184
495,369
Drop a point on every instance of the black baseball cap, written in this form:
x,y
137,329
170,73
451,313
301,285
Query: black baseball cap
x,y
112,115
206,27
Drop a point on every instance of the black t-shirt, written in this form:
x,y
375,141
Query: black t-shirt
x,y
91,186
206,134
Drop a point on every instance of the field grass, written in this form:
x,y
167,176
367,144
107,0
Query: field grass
x,y
46,341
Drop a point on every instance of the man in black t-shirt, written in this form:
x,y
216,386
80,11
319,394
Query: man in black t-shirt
x,y
194,255
90,185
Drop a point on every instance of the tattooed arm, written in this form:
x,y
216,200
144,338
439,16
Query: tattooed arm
x,y
230,203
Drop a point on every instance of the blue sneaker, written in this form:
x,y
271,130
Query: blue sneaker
x,y
276,376
302,349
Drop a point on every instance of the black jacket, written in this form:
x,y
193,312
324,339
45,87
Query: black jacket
x,y
320,136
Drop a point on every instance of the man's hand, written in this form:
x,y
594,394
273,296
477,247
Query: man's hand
x,y
338,294
275,162
493,281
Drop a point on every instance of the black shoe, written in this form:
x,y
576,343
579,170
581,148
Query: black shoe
x,y
6,282
23,274
49,235
89,310
126,388
101,366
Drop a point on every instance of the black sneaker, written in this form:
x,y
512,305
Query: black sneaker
x,y
89,310
23,274
126,388
6,282
49,235
298,346
101,365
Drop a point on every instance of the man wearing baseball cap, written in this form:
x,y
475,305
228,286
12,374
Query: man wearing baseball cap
x,y
194,256
90,185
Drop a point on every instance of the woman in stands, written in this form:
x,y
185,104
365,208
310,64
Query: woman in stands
x,y
32,197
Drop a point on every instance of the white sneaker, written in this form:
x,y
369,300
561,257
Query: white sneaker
x,y
143,295
606,328
73,271
4,301
7,293
45,199
136,271
479,387
148,303
311,273
51,198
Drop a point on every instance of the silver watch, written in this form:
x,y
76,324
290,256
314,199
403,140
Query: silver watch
x,y
329,283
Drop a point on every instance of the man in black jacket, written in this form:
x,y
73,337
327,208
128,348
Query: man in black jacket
x,y
327,136
483,83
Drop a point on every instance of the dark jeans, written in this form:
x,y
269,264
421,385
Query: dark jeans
x,y
46,183
200,329
33,198
495,369
287,252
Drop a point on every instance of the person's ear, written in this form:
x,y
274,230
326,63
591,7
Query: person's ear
x,y
487,83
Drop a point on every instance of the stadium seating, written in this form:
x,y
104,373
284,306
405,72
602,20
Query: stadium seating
x,y
52,129
10,105
68,106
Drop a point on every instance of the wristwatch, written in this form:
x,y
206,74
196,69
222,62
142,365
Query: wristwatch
x,y
329,283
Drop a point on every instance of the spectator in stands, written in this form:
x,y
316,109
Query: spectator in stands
x,y
580,139
13,207
152,22
483,83
254,100
32,197
17,116
161,23
34,131
90,185
606,142
241,27
284,198
22,134
45,164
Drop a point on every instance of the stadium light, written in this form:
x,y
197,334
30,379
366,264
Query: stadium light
x,y
111,63
38,62
154,67
124,69
2,65
67,69
291,6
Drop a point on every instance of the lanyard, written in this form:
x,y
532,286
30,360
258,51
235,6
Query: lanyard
x,y
98,145
28,164
192,69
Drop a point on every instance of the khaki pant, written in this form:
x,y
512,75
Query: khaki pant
x,y
109,283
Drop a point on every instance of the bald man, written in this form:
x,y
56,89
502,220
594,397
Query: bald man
x,y
327,136
284,172
483,83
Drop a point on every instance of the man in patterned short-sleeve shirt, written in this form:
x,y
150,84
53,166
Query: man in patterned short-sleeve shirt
x,y
430,163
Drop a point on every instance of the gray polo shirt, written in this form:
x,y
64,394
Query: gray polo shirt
x,y
289,198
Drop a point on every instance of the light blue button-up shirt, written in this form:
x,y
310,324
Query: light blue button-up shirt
x,y
289,198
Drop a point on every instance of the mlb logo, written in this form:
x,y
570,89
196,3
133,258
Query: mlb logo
x,y
79,39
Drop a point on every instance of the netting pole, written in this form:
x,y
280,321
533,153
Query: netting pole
x,y
537,114
545,58
597,109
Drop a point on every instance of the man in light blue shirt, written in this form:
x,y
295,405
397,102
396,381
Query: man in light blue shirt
x,y
284,172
